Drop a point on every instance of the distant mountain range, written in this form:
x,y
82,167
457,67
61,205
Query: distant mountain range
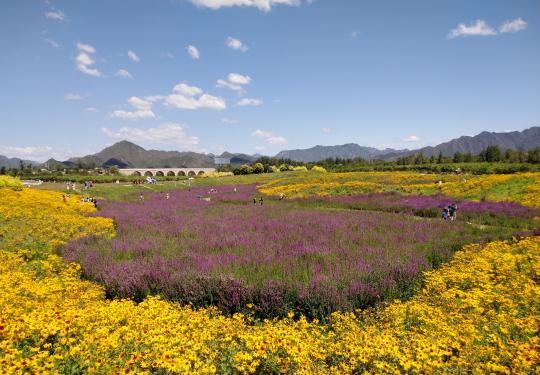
x,y
346,151
527,139
15,162
125,154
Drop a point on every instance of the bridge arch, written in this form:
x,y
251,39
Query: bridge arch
x,y
170,173
148,173
160,173
181,173
200,173
136,173
191,173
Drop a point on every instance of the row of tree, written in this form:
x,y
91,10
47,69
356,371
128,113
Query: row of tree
x,y
491,154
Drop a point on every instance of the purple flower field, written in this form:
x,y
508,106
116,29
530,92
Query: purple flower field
x,y
229,252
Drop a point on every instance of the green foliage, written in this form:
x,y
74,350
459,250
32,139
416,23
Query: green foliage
x,y
317,168
10,182
258,168
246,169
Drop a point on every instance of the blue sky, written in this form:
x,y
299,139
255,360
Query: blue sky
x,y
259,76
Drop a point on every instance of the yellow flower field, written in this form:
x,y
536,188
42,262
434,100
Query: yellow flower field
x,y
480,313
522,187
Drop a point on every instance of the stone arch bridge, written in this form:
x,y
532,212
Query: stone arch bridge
x,y
165,171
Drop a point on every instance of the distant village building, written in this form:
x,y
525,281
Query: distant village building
x,y
222,161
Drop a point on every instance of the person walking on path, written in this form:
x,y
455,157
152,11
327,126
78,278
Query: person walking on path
x,y
261,201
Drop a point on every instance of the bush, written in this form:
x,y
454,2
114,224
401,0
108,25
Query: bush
x,y
218,174
10,182
246,169
258,168
300,168
317,168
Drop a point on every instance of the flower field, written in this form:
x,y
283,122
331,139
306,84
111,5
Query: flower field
x,y
467,317
521,188
228,252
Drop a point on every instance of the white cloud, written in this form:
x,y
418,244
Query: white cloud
x,y
239,79
260,148
84,60
236,44
270,138
122,73
193,52
183,96
141,104
326,130
203,101
226,84
249,102
411,138
56,15
479,27
167,134
143,108
133,115
133,56
72,96
226,120
192,97
35,153
234,82
264,5
355,34
85,48
91,109
187,90
53,43
513,26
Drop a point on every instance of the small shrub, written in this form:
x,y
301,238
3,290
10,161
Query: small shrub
x,y
317,168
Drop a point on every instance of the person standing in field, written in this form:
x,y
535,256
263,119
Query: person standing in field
x,y
445,213
261,201
452,209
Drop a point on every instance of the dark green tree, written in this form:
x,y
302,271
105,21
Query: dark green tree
x,y
493,154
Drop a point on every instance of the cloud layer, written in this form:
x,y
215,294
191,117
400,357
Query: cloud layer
x,y
481,28
192,97
270,138
236,44
133,56
84,61
264,5
249,102
193,52
234,82
165,134
56,15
